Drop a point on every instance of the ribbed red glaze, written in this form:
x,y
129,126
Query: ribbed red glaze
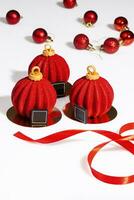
x,y
28,95
54,68
94,95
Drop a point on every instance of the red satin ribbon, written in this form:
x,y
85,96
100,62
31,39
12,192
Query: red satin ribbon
x,y
123,141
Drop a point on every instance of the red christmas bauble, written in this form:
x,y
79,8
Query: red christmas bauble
x,y
39,35
53,66
13,17
81,41
93,93
120,23
90,17
111,45
127,37
69,3
33,92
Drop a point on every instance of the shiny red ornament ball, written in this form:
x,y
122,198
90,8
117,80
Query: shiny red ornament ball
x,y
39,35
13,17
127,37
32,94
111,45
81,41
90,17
69,3
120,23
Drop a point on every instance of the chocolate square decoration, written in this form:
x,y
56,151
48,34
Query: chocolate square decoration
x,y
80,114
39,118
60,88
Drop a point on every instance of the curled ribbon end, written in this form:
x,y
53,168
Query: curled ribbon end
x,y
123,141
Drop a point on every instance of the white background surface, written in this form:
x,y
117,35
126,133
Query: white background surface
x,y
60,171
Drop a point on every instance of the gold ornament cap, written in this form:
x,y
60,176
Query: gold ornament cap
x,y
48,51
91,73
88,24
35,74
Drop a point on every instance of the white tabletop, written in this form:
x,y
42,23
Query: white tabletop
x,y
60,171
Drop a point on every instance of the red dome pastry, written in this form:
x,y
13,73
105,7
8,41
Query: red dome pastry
x,y
53,66
33,92
92,93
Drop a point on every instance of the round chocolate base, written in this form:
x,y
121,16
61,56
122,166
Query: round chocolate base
x,y
110,115
53,118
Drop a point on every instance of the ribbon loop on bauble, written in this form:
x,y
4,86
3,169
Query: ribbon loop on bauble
x,y
35,74
91,73
48,51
